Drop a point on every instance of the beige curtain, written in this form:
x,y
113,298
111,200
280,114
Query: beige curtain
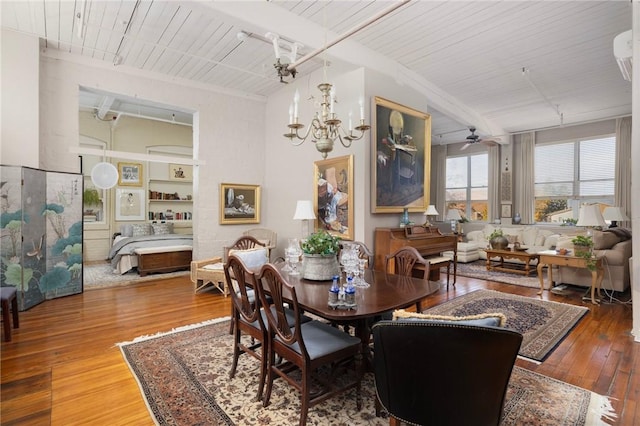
x,y
439,176
494,183
623,166
524,189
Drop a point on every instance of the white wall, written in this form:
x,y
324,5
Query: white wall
x,y
230,137
19,139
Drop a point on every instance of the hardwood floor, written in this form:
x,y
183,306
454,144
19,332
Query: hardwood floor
x,y
63,367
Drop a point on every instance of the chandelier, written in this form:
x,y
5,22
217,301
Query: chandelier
x,y
325,126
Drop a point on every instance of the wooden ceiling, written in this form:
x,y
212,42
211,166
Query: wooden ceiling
x,y
501,66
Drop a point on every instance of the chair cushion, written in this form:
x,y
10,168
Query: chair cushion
x,y
214,266
495,319
322,339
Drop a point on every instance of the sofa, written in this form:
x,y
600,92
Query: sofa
x,y
535,238
613,245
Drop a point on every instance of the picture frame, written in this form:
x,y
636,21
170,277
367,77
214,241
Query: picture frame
x,y
333,196
400,158
130,204
180,172
505,210
129,174
239,203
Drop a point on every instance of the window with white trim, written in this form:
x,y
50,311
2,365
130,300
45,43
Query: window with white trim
x,y
570,173
467,185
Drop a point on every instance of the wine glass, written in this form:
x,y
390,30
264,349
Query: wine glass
x,y
361,282
293,253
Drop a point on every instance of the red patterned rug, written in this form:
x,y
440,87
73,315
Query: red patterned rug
x,y
184,378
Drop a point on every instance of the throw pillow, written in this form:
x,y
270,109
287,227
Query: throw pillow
x,y
495,319
252,258
140,229
126,230
162,228
604,240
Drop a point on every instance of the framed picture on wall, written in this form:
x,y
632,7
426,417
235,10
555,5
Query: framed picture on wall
x,y
130,204
506,210
239,203
129,174
400,158
180,172
333,196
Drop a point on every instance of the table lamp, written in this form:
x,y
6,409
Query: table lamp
x,y
614,214
304,212
590,217
454,216
431,211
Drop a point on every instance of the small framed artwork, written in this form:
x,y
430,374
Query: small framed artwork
x,y
180,172
239,203
400,158
506,210
333,196
129,174
130,204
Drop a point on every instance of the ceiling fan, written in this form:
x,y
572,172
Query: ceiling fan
x,y
473,138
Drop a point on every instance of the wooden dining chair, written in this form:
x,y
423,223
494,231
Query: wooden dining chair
x,y
305,347
407,261
247,318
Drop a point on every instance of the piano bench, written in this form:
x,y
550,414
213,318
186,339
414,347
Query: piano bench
x,y
435,263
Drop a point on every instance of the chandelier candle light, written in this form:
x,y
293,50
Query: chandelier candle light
x,y
325,127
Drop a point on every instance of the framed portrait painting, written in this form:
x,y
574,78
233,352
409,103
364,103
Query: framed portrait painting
x,y
239,203
333,196
129,174
400,158
130,204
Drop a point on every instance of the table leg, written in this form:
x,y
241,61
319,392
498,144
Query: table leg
x,y
540,277
594,283
363,331
488,263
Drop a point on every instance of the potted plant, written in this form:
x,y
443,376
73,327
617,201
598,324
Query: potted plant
x,y
497,240
583,247
91,197
320,256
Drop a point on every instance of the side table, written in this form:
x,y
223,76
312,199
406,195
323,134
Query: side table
x,y
550,258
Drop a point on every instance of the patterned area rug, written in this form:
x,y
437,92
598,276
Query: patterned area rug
x,y
542,323
184,378
101,276
478,269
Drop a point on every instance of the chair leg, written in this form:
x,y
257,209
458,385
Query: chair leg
x,y
14,311
6,320
306,390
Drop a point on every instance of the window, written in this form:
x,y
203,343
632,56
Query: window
x,y
568,174
467,185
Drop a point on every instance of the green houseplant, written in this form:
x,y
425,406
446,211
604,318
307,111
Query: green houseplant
x,y
583,247
91,197
320,256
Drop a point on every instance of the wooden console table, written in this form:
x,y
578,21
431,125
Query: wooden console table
x,y
549,258
522,255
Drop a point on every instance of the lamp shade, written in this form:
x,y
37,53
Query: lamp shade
x,y
104,175
590,216
453,214
614,213
304,210
431,211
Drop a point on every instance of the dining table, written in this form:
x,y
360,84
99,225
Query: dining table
x,y
386,293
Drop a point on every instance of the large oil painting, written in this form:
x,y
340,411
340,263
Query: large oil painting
x,y
333,200
400,159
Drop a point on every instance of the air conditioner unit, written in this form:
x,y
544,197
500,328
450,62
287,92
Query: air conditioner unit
x,y
623,51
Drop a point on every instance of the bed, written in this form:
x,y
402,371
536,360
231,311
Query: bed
x,y
136,240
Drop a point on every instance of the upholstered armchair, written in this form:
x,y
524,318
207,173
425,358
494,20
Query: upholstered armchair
x,y
443,373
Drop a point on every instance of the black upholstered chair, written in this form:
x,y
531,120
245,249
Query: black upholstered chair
x,y
304,347
443,373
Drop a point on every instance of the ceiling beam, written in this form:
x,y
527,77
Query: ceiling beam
x,y
309,33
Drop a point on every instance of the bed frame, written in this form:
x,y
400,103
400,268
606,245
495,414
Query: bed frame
x,y
163,259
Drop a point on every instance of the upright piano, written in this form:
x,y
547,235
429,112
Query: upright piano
x,y
429,241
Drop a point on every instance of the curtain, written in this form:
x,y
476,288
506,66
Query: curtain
x,y
494,181
524,194
439,175
623,167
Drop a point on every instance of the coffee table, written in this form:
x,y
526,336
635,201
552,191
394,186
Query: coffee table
x,y
514,268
